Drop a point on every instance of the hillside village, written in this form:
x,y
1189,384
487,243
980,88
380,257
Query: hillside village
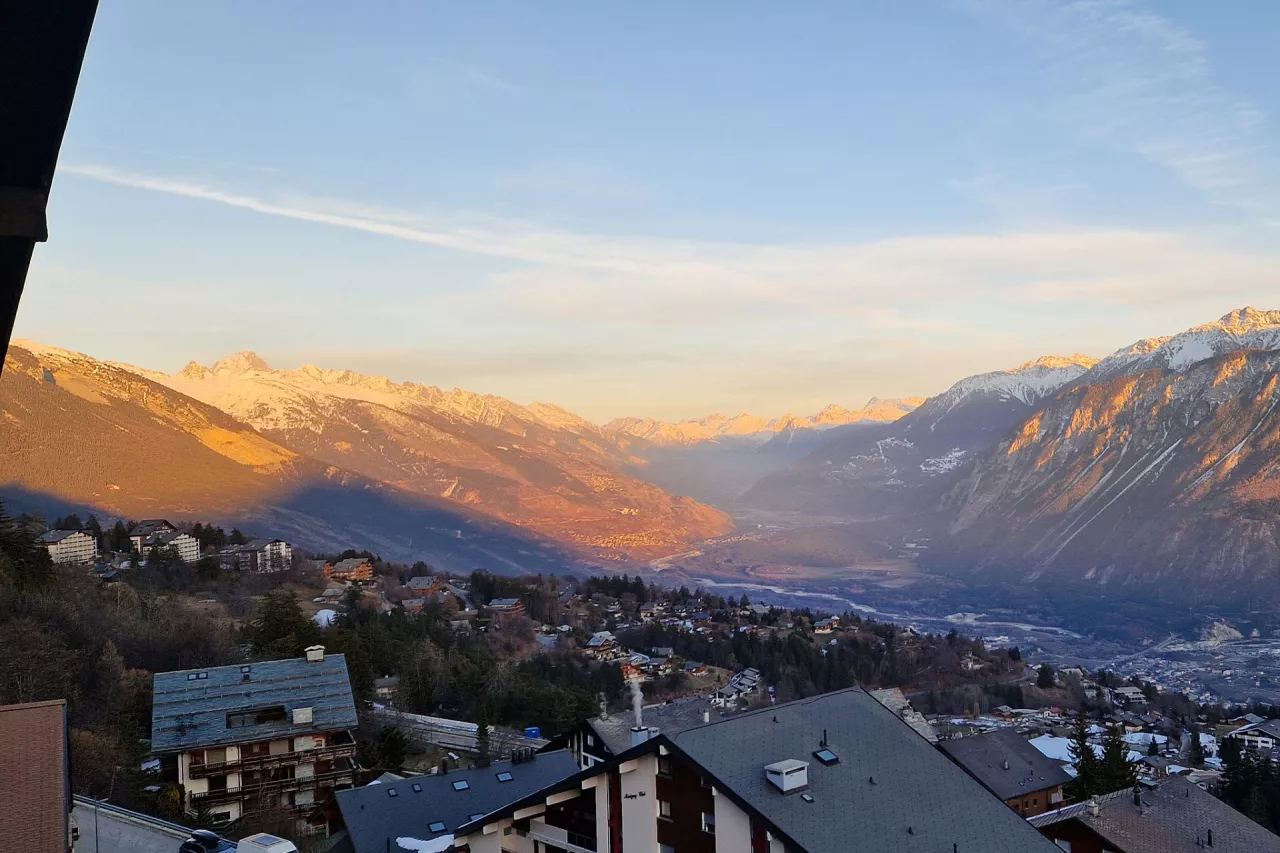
x,y
610,669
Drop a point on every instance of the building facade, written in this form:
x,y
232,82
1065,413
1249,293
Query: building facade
x,y
264,737
258,555
70,546
185,544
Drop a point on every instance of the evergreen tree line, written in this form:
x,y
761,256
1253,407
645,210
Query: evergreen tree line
x,y
1251,784
1096,775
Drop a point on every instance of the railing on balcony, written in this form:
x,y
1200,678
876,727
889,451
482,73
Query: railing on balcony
x,y
556,837
259,762
274,786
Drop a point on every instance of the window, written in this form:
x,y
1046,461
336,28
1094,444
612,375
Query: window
x,y
591,741
827,757
808,798
709,822
417,789
436,826
392,792
664,809
664,765
261,716
475,816
504,776
706,783
461,785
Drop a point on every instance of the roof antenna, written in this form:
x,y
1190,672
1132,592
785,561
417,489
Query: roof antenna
x,y
824,738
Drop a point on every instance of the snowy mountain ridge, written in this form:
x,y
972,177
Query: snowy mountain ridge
x,y
1243,329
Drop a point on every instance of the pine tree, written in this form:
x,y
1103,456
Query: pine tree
x,y
1088,779
120,537
1196,752
24,562
482,739
1044,677
1117,774
1153,748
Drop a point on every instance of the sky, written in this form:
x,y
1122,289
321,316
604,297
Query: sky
x,y
662,209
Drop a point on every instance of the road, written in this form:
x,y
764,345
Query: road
x,y
119,831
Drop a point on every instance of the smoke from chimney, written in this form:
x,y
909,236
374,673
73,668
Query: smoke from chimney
x,y
637,701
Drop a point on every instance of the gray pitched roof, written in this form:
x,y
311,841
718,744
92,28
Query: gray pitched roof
x,y
52,536
190,712
1174,818
669,719
149,526
373,816
915,787
1005,763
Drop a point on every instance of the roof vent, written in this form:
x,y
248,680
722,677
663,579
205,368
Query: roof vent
x,y
315,653
789,775
302,716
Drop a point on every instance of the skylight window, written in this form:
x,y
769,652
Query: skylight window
x,y
476,816
436,826
461,785
504,776
417,789
827,757
392,792
808,798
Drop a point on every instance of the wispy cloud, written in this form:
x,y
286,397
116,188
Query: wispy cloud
x,y
1136,81
895,284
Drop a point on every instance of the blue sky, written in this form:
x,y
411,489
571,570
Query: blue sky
x,y
662,208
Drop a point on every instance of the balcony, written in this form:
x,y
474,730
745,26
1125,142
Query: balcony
x,y
266,762
557,837
275,787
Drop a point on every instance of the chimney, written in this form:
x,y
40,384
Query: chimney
x,y
706,716
1209,838
315,654
789,775
1094,808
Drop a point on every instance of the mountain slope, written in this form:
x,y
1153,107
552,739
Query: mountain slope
x,y
747,427
539,467
1164,475
1245,329
901,468
85,434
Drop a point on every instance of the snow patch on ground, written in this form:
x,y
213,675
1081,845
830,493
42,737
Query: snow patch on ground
x,y
942,464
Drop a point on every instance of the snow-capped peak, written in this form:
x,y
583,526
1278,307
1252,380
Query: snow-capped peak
x,y
241,362
1028,382
1243,329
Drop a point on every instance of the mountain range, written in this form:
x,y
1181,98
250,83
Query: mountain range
x,y
1158,464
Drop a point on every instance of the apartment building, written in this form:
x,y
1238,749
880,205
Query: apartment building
x,y
185,544
267,736
830,774
257,555
70,546
145,529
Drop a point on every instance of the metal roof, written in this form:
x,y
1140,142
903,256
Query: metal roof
x,y
1006,763
890,792
1176,817
52,536
33,745
190,706
375,819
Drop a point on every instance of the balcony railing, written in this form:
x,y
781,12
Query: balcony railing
x,y
274,786
261,762
555,836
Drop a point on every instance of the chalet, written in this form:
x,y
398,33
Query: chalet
x,y
1008,766
1130,697
829,774
268,736
1174,817
1262,736
693,668
386,688
145,529
351,570
70,546
333,594
413,606
506,606
826,626
426,586
603,646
